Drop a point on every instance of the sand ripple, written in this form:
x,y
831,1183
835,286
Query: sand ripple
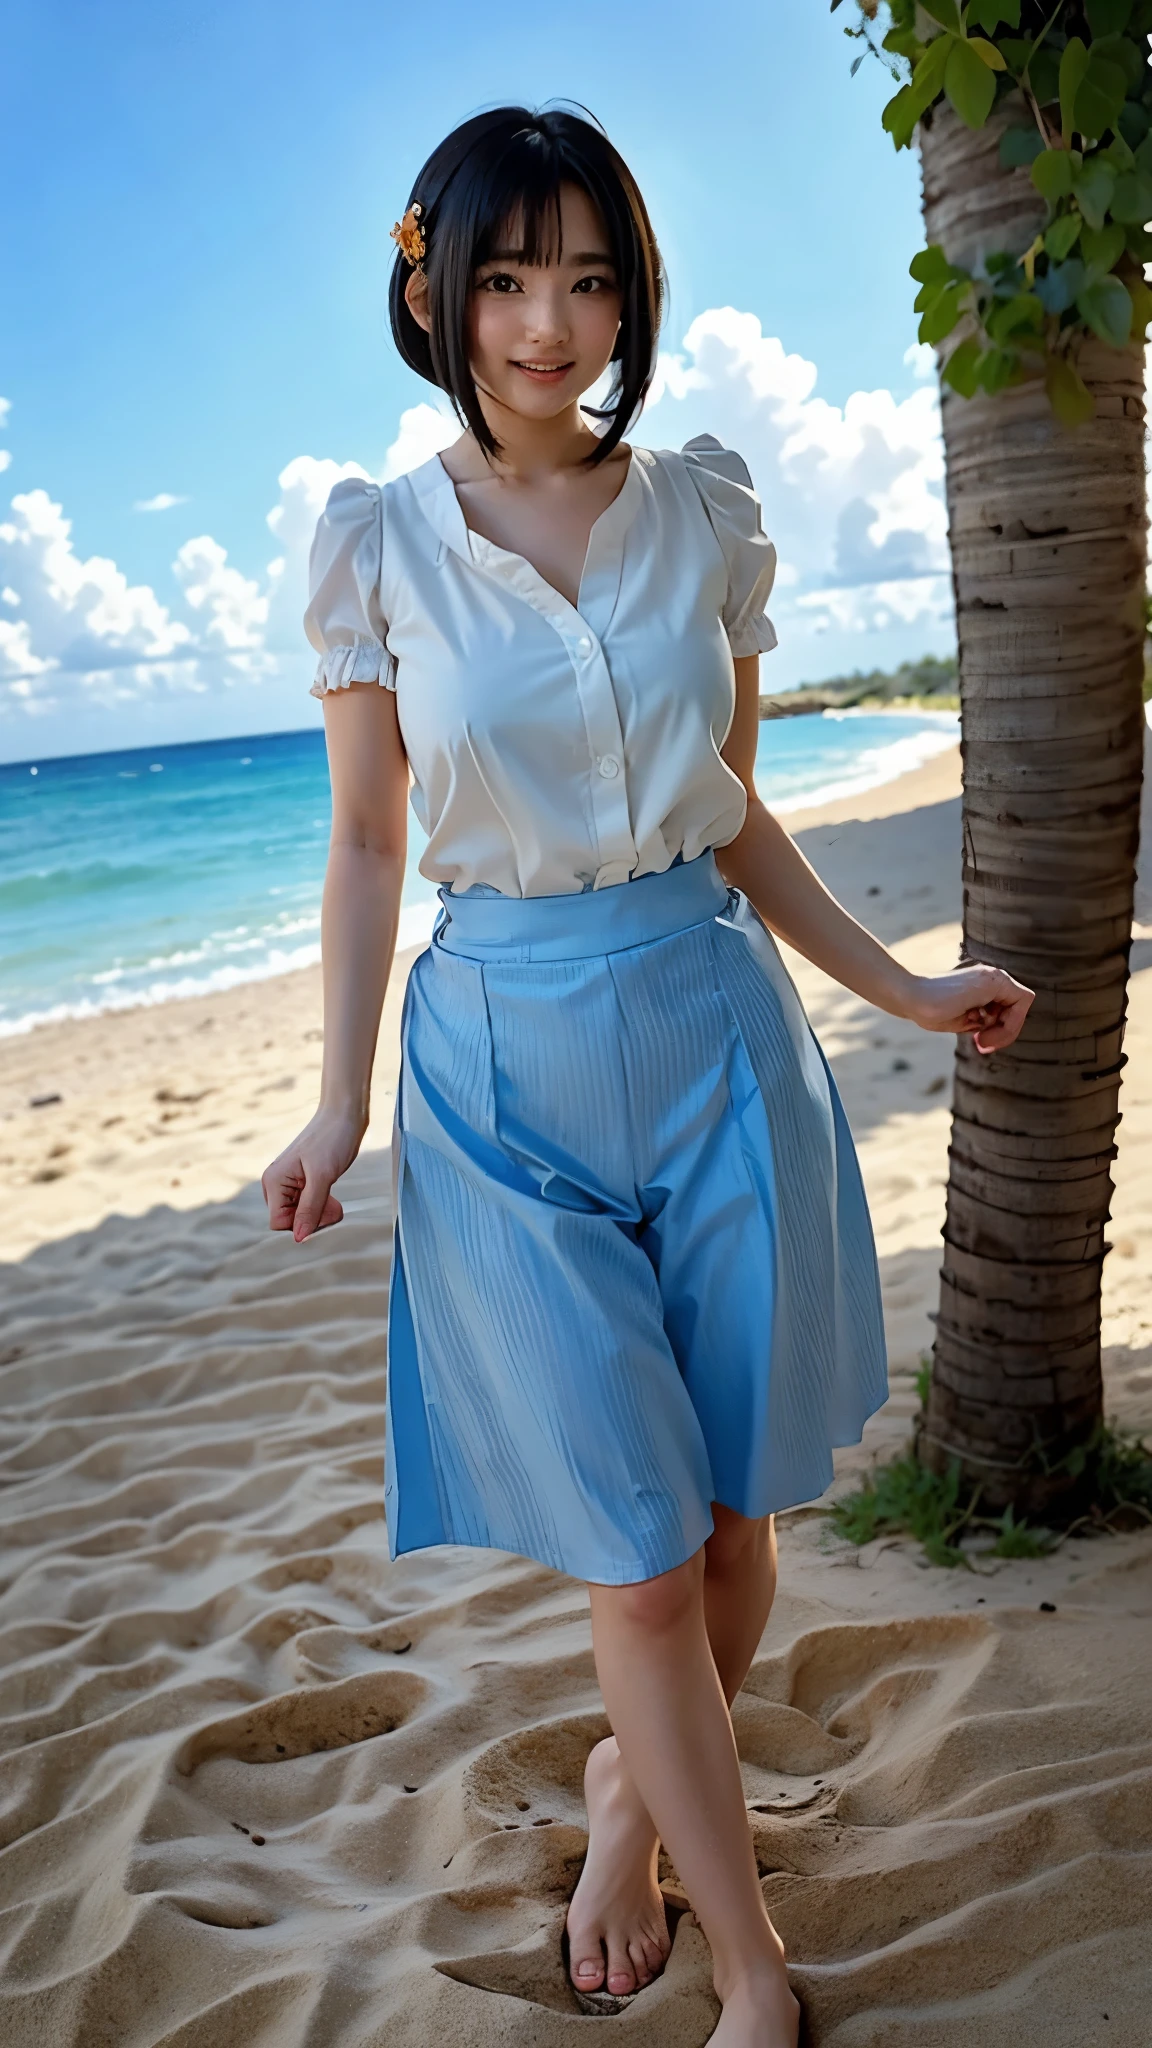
x,y
262,1789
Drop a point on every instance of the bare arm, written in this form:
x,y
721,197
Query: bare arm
x,y
769,867
360,914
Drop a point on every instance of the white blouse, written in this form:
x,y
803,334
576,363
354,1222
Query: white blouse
x,y
554,747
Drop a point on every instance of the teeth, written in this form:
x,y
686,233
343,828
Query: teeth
x,y
542,366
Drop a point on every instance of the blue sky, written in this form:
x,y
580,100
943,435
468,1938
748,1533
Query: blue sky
x,y
196,250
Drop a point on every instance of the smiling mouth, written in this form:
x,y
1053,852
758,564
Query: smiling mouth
x,y
542,371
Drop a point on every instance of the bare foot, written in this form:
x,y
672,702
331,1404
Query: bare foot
x,y
617,1904
759,2012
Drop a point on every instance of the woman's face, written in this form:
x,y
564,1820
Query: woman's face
x,y
541,334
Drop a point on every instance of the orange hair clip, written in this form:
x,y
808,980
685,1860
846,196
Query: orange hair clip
x,y
409,235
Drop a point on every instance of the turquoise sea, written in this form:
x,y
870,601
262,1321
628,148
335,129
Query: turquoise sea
x,y
139,877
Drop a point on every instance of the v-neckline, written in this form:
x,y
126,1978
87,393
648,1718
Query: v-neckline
x,y
484,553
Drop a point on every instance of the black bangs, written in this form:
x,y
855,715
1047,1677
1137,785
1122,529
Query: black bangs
x,y
501,172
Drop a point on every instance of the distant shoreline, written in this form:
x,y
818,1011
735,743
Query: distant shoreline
x,y
811,697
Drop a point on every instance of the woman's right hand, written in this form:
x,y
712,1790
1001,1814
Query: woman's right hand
x,y
298,1185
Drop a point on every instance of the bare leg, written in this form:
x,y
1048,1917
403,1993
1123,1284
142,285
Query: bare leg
x,y
617,1906
671,1720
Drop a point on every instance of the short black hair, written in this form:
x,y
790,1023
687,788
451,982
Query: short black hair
x,y
506,164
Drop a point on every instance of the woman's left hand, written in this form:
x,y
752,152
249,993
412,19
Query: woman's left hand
x,y
982,1002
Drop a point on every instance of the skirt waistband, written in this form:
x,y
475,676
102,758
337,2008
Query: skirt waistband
x,y
577,927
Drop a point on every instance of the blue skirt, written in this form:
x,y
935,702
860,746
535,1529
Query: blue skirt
x,y
633,1269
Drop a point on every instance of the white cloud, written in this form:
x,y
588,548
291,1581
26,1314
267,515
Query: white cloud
x,y
234,607
162,502
921,356
852,495
83,634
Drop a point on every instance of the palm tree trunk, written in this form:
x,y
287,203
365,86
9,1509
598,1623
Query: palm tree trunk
x,y
1047,532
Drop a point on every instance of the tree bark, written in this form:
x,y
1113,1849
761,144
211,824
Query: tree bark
x,y
1047,531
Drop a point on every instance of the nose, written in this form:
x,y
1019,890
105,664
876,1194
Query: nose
x,y
546,313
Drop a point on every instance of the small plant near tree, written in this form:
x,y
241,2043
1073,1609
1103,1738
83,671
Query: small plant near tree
x,y
1076,76
1112,1474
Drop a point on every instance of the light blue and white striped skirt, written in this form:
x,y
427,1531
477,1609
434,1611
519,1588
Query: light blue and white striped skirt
x,y
633,1267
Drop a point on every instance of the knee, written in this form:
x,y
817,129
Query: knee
x,y
655,1606
739,1542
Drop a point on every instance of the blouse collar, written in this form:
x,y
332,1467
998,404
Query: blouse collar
x,y
436,495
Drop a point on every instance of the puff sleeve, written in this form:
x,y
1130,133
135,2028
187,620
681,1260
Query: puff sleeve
x,y
344,622
725,487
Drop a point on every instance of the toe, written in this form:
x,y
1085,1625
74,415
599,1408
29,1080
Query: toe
x,y
648,1957
642,1968
585,1962
621,1975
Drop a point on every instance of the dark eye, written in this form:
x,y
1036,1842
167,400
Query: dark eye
x,y
500,281
592,284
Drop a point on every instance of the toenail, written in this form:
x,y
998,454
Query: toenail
x,y
589,1970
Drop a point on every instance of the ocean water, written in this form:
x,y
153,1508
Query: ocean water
x,y
140,877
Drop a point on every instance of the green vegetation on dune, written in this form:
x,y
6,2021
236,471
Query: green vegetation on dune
x,y
931,682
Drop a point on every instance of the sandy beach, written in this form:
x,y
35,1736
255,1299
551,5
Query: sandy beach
x,y
259,1784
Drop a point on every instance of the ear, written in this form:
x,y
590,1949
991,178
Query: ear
x,y
416,300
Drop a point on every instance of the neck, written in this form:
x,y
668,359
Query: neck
x,y
531,449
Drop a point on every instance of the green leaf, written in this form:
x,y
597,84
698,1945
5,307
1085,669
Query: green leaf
x,y
1099,97
1132,198
1059,285
1044,75
1107,308
988,14
1019,146
1129,56
902,113
1103,247
1107,17
1119,154
998,367
962,370
1023,314
987,53
1068,395
1060,239
1141,298
945,12
969,85
1073,65
942,315
1093,187
900,117
1139,244
1135,121
1052,174
930,265
903,43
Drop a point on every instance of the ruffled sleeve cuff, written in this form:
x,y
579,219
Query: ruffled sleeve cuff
x,y
755,636
345,621
365,661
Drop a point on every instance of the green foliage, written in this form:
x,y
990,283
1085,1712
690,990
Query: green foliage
x,y
903,1498
1081,69
1017,1539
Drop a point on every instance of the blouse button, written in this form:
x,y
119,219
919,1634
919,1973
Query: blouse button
x,y
609,767
584,645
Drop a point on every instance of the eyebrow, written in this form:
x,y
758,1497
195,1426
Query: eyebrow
x,y
583,256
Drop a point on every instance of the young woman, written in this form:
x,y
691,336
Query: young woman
x,y
634,1295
